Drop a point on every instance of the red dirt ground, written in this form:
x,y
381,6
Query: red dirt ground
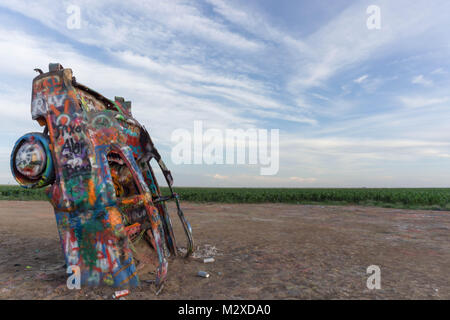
x,y
264,251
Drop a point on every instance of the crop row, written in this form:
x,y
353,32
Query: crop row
x,y
406,197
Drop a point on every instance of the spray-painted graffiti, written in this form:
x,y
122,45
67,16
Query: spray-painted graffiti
x,y
95,159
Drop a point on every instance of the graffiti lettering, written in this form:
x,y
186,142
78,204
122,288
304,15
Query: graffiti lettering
x,y
69,129
72,146
137,215
57,101
72,170
52,85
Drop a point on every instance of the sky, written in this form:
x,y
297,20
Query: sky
x,y
355,107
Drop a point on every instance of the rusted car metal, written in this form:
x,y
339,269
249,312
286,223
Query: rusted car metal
x,y
94,158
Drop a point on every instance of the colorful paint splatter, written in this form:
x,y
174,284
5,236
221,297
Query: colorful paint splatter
x,y
94,158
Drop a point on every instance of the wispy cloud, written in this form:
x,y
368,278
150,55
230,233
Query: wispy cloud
x,y
361,79
300,179
420,79
218,176
419,102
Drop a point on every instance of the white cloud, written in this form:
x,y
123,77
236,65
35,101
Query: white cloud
x,y
187,72
439,71
321,97
420,79
111,81
300,179
361,79
256,24
419,102
345,41
146,21
219,176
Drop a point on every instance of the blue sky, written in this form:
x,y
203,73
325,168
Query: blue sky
x,y
355,107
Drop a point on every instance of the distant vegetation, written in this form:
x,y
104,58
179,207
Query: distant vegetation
x,y
18,193
436,199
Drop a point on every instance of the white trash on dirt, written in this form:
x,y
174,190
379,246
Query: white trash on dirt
x,y
203,252
120,294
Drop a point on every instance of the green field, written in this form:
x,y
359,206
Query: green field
x,y
436,199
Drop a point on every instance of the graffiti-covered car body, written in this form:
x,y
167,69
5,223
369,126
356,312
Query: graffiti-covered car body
x,y
95,157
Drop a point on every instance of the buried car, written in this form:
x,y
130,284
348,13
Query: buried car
x,y
94,158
